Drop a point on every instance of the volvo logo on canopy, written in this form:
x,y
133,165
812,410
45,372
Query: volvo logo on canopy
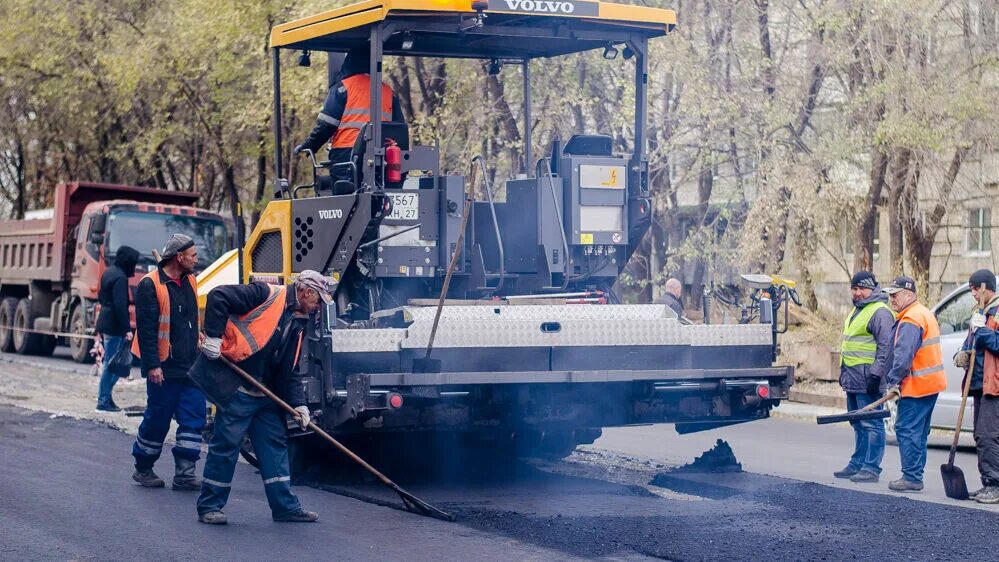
x,y
555,7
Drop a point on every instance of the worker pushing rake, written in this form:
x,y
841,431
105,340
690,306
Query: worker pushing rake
x,y
255,333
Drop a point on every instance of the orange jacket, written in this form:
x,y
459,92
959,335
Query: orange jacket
x,y
927,375
163,299
990,379
357,112
247,334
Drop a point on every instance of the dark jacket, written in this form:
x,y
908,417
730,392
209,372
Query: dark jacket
x,y
855,379
674,303
986,341
274,364
183,327
113,293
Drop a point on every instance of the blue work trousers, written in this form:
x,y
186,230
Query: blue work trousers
x,y
869,435
178,400
265,423
108,376
912,428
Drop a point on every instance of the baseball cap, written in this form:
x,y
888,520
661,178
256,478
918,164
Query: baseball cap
x,y
315,280
903,282
983,276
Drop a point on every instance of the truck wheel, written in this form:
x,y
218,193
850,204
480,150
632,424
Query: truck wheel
x,y
30,343
79,348
8,307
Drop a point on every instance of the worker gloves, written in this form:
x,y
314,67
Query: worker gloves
x,y
962,358
893,390
304,417
212,347
977,321
873,386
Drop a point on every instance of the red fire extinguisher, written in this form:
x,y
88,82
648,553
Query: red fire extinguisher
x,y
393,162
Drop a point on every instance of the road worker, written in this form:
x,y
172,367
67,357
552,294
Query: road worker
x,y
916,376
983,338
259,328
347,109
166,322
864,350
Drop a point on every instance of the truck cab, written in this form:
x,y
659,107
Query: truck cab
x,y
51,263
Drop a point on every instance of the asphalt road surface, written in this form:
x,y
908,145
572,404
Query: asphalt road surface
x,y
67,494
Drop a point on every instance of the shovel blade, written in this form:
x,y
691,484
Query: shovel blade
x,y
953,480
853,416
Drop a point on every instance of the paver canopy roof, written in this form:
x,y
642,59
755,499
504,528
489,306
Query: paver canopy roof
x,y
514,29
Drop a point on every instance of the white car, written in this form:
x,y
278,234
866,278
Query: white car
x,y
953,313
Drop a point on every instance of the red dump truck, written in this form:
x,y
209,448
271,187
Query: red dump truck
x,y
52,261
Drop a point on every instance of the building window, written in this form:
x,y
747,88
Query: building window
x,y
979,231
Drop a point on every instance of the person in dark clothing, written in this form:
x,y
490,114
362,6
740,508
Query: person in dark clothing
x,y
259,328
347,109
166,322
113,323
864,350
671,296
983,337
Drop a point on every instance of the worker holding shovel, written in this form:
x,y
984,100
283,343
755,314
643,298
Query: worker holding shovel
x,y
983,337
916,376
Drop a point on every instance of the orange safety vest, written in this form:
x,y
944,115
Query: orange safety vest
x,y
926,376
357,112
990,376
249,333
163,298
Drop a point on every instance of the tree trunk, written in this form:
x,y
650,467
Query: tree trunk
x,y
863,244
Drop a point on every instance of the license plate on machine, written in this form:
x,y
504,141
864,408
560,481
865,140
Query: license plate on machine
x,y
405,206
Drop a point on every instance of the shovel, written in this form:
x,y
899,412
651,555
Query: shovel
x,y
412,503
866,413
954,483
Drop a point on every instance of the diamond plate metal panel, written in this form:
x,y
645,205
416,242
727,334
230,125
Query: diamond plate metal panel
x,y
521,326
729,334
371,340
543,313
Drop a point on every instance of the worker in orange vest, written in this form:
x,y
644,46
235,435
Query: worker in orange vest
x,y
166,342
983,339
916,376
259,327
347,109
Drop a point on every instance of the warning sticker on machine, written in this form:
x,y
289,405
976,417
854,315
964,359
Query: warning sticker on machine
x,y
601,177
586,238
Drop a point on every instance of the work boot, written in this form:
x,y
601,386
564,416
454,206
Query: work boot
x,y
988,495
845,473
107,407
301,516
976,493
903,485
213,518
184,479
865,477
147,478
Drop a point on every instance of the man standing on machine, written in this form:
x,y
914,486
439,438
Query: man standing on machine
x,y
348,109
